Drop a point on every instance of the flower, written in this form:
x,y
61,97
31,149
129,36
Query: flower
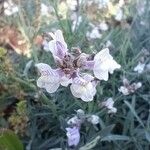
x,y
109,105
94,34
128,88
74,121
71,66
49,79
119,15
94,119
10,8
104,64
139,68
124,90
103,26
82,87
73,136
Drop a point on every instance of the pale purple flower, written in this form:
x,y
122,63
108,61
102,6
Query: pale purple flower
x,y
128,88
104,64
71,66
82,87
73,135
94,119
109,104
124,90
139,68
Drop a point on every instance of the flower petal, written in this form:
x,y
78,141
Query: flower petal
x,y
101,74
103,55
50,79
73,136
83,89
48,84
58,46
77,90
60,38
65,81
104,64
45,69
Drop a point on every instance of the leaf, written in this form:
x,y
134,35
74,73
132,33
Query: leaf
x,y
134,113
114,137
9,140
104,132
91,144
147,134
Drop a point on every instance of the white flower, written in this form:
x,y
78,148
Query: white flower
x,y
44,10
58,46
10,8
137,85
108,43
103,26
74,121
94,119
124,90
94,34
109,105
83,88
73,136
104,64
119,14
139,68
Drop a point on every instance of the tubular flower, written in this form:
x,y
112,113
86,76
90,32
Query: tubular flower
x,y
109,104
83,88
73,135
104,64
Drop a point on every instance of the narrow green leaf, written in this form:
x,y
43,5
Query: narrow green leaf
x,y
147,134
115,138
91,144
134,113
106,131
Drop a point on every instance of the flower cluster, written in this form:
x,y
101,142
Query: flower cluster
x,y
109,104
71,69
73,131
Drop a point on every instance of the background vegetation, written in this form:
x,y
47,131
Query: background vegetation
x,y
32,118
